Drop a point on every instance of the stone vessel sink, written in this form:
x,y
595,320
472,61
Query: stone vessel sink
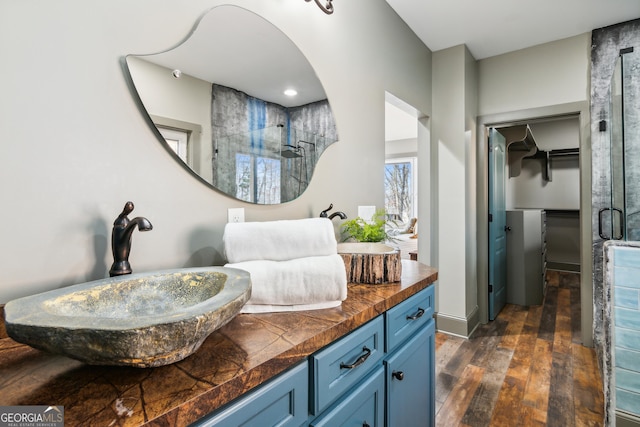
x,y
372,263
142,320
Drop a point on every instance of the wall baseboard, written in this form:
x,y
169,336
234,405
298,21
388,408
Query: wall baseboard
x,y
3,330
624,419
563,266
458,326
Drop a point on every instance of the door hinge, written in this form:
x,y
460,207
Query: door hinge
x,y
490,217
490,288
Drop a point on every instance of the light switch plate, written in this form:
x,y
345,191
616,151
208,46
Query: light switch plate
x,y
235,215
366,212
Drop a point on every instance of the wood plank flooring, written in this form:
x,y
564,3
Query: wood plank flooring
x,y
526,368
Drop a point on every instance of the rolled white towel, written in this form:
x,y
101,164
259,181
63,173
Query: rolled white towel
x,y
309,280
279,240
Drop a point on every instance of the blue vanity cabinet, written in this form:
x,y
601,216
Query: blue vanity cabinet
x,y
282,402
381,374
408,317
341,365
410,378
364,406
410,362
409,371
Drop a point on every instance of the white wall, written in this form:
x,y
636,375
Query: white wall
x,y
402,147
548,74
470,125
187,99
453,134
541,81
75,146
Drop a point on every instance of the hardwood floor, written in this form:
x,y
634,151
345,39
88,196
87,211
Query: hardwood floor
x,y
526,368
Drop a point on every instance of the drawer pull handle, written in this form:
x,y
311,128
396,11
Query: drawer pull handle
x,y
399,375
359,361
418,314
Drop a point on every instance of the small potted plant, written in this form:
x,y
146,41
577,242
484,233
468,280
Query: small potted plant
x,y
369,259
366,231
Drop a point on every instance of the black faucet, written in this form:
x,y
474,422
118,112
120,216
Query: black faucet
x,y
323,214
121,239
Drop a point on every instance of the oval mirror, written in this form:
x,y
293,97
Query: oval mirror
x,y
239,105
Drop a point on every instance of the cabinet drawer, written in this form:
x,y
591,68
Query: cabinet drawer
x,y
406,318
341,365
281,402
363,406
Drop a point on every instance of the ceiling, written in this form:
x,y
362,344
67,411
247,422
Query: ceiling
x,y
493,27
487,28
255,57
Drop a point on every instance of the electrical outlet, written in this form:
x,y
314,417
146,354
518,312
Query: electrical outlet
x,y
235,215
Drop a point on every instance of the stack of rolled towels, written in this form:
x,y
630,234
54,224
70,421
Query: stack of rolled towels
x,y
294,264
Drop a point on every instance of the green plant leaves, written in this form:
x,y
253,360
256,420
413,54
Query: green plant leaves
x,y
366,231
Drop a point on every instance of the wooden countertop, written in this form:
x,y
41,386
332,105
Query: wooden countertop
x,y
246,352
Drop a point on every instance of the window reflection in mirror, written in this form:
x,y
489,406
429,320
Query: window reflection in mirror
x,y
177,139
257,179
399,193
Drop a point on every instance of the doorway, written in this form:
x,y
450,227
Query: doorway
x,y
535,189
401,174
538,217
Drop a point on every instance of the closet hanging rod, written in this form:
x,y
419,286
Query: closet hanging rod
x,y
564,152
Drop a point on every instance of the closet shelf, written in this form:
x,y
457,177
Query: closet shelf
x,y
548,156
522,145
